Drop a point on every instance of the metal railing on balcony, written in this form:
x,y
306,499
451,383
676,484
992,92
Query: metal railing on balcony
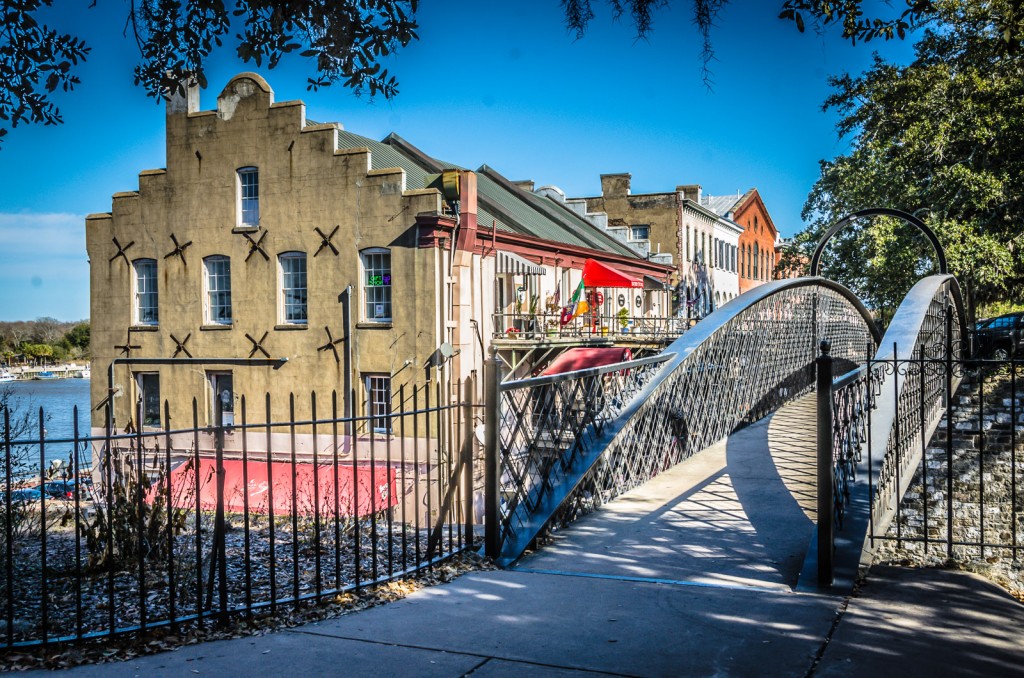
x,y
543,326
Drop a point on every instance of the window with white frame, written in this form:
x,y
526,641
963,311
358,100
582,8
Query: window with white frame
x,y
248,197
218,290
376,284
149,398
293,288
146,298
378,402
640,232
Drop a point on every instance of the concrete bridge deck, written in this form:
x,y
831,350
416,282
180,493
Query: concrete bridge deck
x,y
738,514
689,575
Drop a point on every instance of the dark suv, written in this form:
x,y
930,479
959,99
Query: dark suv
x,y
1000,337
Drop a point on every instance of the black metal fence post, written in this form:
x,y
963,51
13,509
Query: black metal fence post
x,y
492,531
9,531
826,500
220,549
468,472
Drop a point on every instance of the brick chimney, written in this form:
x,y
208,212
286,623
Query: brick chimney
x,y
467,210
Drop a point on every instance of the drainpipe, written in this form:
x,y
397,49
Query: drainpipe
x,y
346,317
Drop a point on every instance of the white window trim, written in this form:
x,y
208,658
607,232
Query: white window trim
x,y
371,412
364,315
632,233
207,301
136,298
240,221
282,305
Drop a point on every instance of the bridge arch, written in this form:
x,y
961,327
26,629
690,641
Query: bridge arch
x,y
940,254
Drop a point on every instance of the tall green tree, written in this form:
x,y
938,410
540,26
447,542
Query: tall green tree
x,y
940,137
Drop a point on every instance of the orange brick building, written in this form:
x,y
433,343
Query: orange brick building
x,y
757,255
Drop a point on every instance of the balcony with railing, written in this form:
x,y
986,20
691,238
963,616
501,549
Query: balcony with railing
x,y
587,328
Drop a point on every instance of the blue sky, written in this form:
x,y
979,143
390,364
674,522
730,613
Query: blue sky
x,y
501,84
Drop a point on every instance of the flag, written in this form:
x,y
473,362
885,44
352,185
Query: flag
x,y
578,303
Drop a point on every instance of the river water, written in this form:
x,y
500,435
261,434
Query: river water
x,y
57,398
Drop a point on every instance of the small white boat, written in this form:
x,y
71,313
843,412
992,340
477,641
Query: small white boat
x,y
6,377
84,374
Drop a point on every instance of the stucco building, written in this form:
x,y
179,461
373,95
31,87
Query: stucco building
x,y
275,255
704,245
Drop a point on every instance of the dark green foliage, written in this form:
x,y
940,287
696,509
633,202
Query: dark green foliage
x,y
35,61
43,338
347,39
940,137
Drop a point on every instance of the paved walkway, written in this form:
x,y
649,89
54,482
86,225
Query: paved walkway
x,y
692,574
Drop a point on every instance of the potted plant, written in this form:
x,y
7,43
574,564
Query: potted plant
x,y
623,316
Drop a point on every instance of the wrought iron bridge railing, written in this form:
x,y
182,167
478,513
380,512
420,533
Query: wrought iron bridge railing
x,y
560,446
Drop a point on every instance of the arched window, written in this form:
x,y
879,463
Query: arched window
x,y
376,263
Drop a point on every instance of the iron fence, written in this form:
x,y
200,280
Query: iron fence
x,y
159,527
889,406
961,499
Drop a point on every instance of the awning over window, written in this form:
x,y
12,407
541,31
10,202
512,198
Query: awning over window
x,y
653,283
596,274
582,358
513,263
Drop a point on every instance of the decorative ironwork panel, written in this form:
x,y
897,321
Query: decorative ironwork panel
x,y
549,426
901,390
566,450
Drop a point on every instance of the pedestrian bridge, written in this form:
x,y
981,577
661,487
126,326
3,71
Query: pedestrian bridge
x,y
804,352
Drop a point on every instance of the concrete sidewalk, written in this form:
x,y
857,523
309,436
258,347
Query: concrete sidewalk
x,y
692,574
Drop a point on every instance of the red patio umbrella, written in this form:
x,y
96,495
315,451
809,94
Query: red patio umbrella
x,y
596,274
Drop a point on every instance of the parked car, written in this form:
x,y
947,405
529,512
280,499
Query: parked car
x,y
60,489
1000,337
22,495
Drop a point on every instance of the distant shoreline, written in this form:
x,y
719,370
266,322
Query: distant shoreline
x,y
64,371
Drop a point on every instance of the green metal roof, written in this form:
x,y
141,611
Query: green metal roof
x,y
500,203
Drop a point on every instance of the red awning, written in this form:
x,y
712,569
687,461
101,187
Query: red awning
x,y
582,358
596,274
362,489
